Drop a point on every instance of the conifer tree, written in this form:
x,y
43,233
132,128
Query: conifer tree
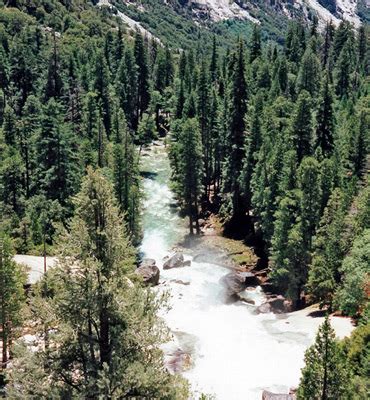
x,y
10,128
57,167
28,133
101,88
235,153
344,69
12,298
255,46
54,84
326,47
126,86
325,375
107,332
310,203
289,271
213,67
328,252
203,109
325,120
126,176
302,128
190,170
141,59
309,73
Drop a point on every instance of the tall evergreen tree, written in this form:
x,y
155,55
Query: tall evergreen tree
x,y
57,167
12,298
107,330
101,87
237,112
190,170
126,86
302,127
325,375
325,120
328,252
141,59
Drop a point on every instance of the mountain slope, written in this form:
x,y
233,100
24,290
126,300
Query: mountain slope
x,y
200,19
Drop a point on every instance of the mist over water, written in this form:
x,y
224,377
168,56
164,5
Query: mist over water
x,y
235,354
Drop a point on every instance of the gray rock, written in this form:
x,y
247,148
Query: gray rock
x,y
275,304
234,283
176,261
186,263
149,272
250,278
275,396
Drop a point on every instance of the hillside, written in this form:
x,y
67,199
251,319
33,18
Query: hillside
x,y
194,19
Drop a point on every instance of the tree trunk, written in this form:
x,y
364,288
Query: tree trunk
x,y
4,339
104,336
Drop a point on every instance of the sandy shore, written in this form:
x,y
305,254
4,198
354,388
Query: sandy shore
x,y
309,319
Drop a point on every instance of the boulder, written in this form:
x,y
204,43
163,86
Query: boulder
x,y
276,396
250,279
149,272
275,304
186,263
264,308
176,261
234,283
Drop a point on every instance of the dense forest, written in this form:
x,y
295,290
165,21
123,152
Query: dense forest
x,y
271,138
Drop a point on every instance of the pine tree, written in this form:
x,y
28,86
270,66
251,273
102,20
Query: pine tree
x,y
289,271
255,46
126,176
57,167
143,94
10,128
344,69
28,133
302,128
310,203
203,109
126,86
328,252
101,88
351,297
190,170
309,73
362,48
325,120
54,84
4,69
252,145
235,153
12,298
327,45
325,375
11,179
107,330
213,67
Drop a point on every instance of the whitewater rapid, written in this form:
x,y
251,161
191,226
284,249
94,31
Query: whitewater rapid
x,y
235,353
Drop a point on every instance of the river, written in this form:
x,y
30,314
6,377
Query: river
x,y
235,353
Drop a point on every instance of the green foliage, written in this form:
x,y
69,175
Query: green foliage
x,y
12,298
106,331
325,375
351,296
186,156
